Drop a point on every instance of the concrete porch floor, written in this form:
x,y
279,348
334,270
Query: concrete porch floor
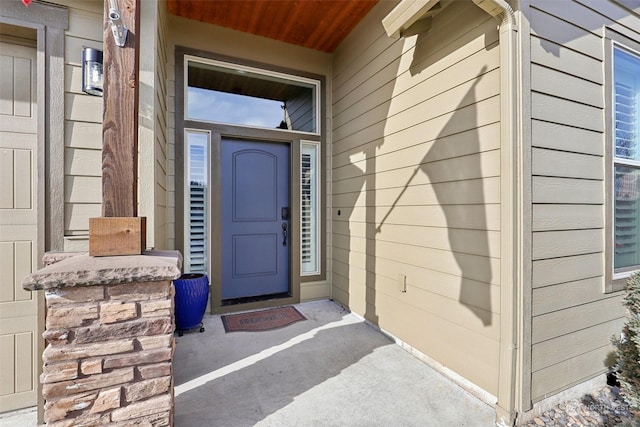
x,y
330,370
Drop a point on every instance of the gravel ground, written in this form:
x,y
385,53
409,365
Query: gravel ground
x,y
605,408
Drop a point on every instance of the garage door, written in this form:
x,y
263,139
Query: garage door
x,y
18,227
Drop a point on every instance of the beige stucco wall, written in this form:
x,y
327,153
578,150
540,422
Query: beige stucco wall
x,y
573,319
416,185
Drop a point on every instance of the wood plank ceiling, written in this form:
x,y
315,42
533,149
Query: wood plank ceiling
x,y
316,24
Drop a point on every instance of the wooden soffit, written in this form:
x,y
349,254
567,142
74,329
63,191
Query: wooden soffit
x,y
315,24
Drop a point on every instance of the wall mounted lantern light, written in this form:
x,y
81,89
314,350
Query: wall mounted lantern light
x,y
92,71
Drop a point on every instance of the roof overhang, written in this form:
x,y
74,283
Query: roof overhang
x,y
407,14
315,24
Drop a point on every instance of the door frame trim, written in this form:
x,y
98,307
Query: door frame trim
x,y
218,131
214,214
215,222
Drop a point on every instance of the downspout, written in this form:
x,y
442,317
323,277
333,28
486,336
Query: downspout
x,y
510,232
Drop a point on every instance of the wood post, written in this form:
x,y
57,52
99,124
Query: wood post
x,y
120,117
119,232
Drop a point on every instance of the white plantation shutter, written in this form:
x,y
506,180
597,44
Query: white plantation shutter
x,y
309,205
626,160
196,198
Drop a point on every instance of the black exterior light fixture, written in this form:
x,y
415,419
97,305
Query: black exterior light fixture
x,y
92,71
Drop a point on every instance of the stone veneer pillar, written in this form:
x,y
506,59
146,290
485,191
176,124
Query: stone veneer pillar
x,y
109,333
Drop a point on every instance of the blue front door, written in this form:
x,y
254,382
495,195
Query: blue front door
x,y
255,218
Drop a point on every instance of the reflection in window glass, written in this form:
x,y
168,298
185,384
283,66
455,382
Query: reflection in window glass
x,y
243,97
212,105
626,77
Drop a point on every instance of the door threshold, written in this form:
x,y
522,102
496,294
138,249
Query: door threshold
x,y
260,298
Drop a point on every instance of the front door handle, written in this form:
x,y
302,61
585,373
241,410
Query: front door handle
x,y
284,234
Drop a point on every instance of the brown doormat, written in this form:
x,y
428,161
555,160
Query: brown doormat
x,y
263,320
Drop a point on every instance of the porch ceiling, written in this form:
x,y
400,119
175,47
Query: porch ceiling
x,y
315,24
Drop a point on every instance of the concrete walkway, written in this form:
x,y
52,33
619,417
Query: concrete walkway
x,y
330,370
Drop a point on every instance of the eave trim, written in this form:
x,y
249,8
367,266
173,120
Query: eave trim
x,y
405,14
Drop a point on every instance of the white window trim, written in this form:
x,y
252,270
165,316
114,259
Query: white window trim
x,y
614,281
267,73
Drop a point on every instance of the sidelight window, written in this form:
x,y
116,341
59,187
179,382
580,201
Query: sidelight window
x,y
196,196
309,208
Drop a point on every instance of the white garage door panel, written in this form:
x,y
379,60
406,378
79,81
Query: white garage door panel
x,y
17,90
17,178
19,333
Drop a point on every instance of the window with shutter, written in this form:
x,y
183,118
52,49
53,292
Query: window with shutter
x,y
309,203
196,201
626,160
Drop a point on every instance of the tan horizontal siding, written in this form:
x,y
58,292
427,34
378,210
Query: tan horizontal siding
x,y
565,33
565,295
426,237
567,190
469,167
573,319
614,12
476,217
407,147
83,189
448,336
434,304
557,110
82,23
556,244
405,85
476,267
567,165
460,192
469,116
566,269
567,86
558,349
570,320
416,179
548,217
555,378
84,162
83,108
483,114
73,47
314,291
83,135
557,57
76,217
83,123
561,137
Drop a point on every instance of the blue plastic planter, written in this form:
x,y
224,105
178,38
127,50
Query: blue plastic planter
x,y
192,293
